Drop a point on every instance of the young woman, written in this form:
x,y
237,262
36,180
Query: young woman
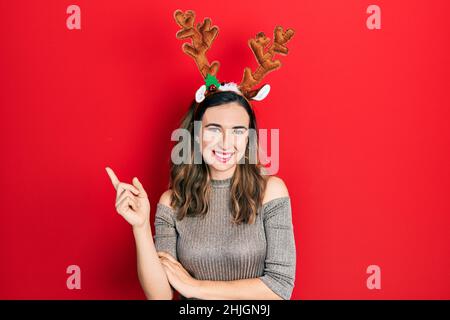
x,y
223,230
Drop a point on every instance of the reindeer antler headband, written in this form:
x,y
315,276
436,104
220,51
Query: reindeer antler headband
x,y
203,35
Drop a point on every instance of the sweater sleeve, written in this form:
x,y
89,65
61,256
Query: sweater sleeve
x,y
165,237
280,262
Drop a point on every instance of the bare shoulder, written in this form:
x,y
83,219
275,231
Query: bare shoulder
x,y
165,198
275,188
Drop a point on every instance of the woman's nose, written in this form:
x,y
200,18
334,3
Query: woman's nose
x,y
227,140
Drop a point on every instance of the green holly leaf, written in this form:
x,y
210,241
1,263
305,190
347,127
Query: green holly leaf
x,y
209,80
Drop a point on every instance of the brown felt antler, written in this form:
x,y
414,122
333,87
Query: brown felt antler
x,y
264,55
202,37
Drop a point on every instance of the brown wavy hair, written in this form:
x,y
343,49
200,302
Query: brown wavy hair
x,y
191,182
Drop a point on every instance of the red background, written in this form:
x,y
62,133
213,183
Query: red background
x,y
363,118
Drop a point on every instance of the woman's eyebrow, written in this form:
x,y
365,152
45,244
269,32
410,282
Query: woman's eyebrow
x,y
218,125
213,125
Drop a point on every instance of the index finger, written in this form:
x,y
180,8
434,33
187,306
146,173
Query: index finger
x,y
114,180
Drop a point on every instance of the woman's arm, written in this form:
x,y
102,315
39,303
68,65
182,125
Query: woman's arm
x,y
133,205
245,289
186,285
151,274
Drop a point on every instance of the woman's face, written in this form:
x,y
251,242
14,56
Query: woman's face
x,y
224,136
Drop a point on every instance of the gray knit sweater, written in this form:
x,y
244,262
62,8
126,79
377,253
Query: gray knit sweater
x,y
213,248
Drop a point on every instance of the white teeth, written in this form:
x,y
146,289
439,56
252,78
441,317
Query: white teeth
x,y
223,155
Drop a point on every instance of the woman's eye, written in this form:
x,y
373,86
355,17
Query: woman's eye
x,y
213,129
239,131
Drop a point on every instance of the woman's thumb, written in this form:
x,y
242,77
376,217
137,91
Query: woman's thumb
x,y
138,185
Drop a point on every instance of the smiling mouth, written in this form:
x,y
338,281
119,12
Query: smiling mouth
x,y
223,156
